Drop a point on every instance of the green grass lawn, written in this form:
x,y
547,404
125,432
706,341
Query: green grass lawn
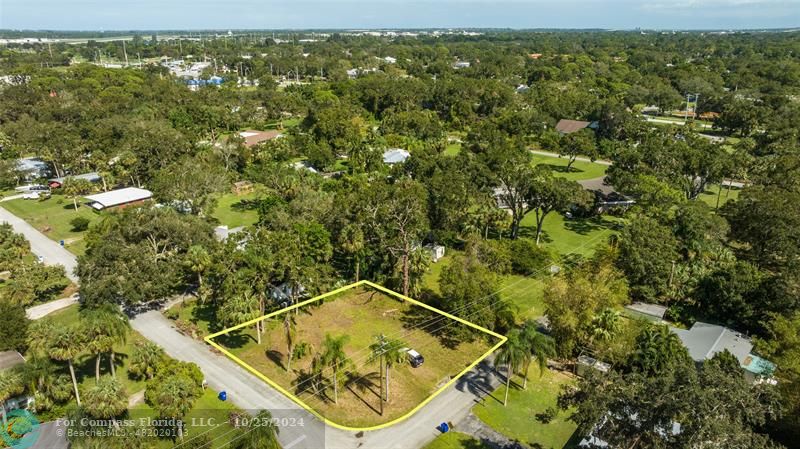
x,y
455,440
519,419
580,170
710,195
236,210
52,217
578,236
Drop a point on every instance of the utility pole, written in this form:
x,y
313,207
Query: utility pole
x,y
125,52
382,345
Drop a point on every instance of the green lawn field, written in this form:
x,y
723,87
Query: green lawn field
x,y
52,217
236,210
520,420
579,171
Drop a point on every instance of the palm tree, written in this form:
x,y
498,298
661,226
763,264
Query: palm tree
x,y
144,359
657,348
334,357
40,336
74,188
36,371
605,325
105,327
198,261
290,332
107,399
392,352
352,241
512,355
261,433
11,384
240,308
540,348
67,344
174,397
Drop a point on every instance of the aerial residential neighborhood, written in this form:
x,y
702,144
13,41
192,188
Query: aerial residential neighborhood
x,y
399,225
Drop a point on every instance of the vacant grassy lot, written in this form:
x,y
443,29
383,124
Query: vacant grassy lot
x,y
236,210
52,217
521,419
580,170
710,195
361,315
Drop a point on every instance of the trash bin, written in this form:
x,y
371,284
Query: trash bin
x,y
61,242
223,396
443,427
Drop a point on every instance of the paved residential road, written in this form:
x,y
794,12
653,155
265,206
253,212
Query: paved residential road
x,y
42,310
50,251
581,159
250,393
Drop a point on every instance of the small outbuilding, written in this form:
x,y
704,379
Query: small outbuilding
x,y
436,252
119,198
242,187
254,137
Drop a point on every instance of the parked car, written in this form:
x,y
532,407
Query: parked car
x,y
415,359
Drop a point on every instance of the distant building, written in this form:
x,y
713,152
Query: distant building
x,y
242,187
221,233
31,168
461,64
119,198
535,55
395,156
254,137
390,60
606,197
522,88
57,183
565,126
9,360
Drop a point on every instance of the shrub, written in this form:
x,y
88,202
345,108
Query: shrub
x,y
79,224
527,258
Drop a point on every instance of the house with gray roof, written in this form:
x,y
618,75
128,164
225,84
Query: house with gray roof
x,y
395,156
704,341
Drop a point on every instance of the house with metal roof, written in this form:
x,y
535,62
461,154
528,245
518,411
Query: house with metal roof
x,y
565,126
56,183
395,156
704,341
119,198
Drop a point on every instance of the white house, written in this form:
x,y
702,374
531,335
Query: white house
x,y
436,252
390,60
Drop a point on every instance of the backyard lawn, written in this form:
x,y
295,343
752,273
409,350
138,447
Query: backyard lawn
x,y
361,314
52,217
710,195
568,236
579,171
236,210
522,418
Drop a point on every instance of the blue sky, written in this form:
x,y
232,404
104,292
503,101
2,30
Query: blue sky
x,y
266,14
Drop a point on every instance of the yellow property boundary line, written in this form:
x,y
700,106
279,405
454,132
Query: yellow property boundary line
x,y
209,339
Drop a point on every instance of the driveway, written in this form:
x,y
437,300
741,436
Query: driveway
x,y
42,310
250,393
51,252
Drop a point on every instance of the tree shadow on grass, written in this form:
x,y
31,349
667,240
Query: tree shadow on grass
x,y
235,339
365,384
478,381
245,205
435,324
276,357
587,225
